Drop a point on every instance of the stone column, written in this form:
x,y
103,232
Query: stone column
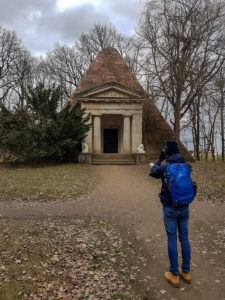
x,y
126,134
88,139
97,134
136,131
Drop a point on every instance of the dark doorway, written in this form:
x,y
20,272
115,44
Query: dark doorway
x,y
110,140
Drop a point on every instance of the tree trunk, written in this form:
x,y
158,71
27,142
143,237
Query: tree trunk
x,y
196,127
206,149
213,145
213,153
222,128
177,120
193,137
197,138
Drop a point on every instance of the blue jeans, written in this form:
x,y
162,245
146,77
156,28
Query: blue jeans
x,y
176,218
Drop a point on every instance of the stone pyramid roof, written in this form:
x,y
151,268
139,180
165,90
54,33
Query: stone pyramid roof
x,y
107,67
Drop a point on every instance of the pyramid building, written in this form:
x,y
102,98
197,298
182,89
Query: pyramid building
x,y
123,118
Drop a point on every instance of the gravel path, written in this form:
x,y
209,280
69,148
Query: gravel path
x,y
127,196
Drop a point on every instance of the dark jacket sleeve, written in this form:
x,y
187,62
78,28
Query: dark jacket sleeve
x,y
158,170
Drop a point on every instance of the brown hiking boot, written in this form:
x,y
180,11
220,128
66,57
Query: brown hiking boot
x,y
185,276
171,278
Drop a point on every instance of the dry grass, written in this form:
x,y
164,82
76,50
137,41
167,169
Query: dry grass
x,y
210,178
42,184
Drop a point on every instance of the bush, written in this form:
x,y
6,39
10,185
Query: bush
x,y
39,132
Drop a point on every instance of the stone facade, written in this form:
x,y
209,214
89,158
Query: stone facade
x,y
113,107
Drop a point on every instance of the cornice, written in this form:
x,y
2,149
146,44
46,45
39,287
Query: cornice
x,y
100,100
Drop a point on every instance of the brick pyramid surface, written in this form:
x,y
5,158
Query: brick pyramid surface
x,y
108,66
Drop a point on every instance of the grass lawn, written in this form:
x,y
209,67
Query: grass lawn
x,y
42,184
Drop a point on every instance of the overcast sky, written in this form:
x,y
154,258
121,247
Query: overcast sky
x,y
41,23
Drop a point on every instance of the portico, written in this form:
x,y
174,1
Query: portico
x,y
116,119
112,133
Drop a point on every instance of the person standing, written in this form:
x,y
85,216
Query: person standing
x,y
177,192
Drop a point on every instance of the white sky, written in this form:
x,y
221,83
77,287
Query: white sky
x,y
62,5
41,23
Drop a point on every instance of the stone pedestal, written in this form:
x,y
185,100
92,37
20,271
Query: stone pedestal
x,y
85,158
141,158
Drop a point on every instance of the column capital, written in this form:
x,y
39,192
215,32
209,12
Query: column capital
x,y
127,115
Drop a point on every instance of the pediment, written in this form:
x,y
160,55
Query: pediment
x,y
113,91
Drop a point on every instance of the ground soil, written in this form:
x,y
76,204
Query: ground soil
x,y
128,197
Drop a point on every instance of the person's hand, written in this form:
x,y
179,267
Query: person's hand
x,y
151,164
162,155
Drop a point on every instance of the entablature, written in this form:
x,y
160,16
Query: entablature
x,y
111,93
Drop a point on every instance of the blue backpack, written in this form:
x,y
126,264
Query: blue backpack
x,y
179,183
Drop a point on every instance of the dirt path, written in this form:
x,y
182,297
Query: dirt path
x,y
125,195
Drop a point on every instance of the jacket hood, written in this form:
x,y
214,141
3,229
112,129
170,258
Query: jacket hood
x,y
175,158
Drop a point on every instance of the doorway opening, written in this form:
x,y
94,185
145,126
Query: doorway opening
x,y
110,140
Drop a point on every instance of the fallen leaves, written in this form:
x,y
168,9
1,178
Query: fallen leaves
x,y
55,258
211,236
59,259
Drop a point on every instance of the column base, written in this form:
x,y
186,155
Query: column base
x,y
85,158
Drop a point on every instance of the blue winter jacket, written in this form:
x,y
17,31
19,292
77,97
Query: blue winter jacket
x,y
158,171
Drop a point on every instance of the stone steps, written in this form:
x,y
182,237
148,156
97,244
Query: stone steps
x,y
113,159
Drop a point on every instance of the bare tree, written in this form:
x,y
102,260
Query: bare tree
x,y
10,50
101,36
41,73
195,116
133,56
24,67
220,88
208,124
66,66
185,49
207,116
29,72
